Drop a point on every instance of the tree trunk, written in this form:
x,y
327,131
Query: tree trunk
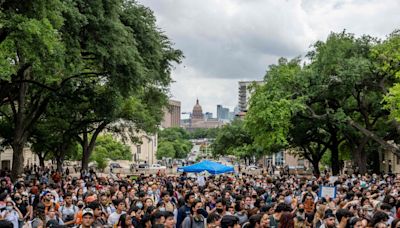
x,y
41,161
375,161
59,164
18,159
334,154
316,171
88,145
363,165
359,155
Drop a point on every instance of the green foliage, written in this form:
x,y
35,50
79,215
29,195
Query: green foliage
x,y
173,143
335,96
80,67
235,139
388,56
201,133
108,147
272,105
165,150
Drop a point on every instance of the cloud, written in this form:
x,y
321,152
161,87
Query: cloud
x,y
225,41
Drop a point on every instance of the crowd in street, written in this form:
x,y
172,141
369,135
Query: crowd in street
x,y
47,198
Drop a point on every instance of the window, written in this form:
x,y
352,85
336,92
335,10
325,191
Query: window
x,y
138,149
279,159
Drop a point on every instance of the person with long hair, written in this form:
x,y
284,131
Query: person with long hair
x,y
286,220
379,217
125,221
319,216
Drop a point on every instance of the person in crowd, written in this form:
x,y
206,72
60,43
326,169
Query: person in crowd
x,y
87,218
329,220
230,221
264,200
213,220
196,219
99,220
125,221
68,211
11,213
114,217
184,210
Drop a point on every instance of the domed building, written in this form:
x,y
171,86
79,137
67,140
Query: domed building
x,y
197,113
197,119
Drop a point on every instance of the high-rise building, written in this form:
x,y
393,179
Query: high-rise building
x,y
172,114
222,113
208,115
245,94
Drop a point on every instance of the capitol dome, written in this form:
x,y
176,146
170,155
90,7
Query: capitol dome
x,y
197,111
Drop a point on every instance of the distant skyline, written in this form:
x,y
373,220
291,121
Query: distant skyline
x,y
226,41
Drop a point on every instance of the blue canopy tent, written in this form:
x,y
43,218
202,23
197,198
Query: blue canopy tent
x,y
206,165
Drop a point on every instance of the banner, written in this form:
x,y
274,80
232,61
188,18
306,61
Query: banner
x,y
326,191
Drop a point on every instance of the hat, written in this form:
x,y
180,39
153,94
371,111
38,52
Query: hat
x,y
87,211
329,215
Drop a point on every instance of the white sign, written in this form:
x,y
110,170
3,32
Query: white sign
x,y
201,181
325,191
332,179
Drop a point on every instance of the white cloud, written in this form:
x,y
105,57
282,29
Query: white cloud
x,y
225,41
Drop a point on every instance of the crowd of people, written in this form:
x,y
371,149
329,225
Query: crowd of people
x,y
46,198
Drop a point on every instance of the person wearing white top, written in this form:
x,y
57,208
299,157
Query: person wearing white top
x,y
12,213
114,217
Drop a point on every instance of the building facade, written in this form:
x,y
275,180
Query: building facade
x,y
172,115
6,158
285,158
245,94
197,119
145,150
208,115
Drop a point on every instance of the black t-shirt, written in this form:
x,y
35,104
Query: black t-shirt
x,y
5,224
23,208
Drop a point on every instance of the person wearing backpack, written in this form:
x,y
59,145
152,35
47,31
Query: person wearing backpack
x,y
68,211
196,219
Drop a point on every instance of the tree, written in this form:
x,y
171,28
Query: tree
x,y
338,91
85,48
32,67
115,150
173,143
165,149
201,133
387,55
235,139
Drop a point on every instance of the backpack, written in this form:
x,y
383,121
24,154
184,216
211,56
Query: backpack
x,y
69,217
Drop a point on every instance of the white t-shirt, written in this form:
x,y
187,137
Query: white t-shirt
x,y
11,216
114,218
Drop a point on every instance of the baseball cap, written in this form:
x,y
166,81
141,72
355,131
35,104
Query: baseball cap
x,y
87,211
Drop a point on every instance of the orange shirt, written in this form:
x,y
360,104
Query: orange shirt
x,y
50,204
79,217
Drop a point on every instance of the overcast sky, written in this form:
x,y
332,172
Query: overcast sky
x,y
225,41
